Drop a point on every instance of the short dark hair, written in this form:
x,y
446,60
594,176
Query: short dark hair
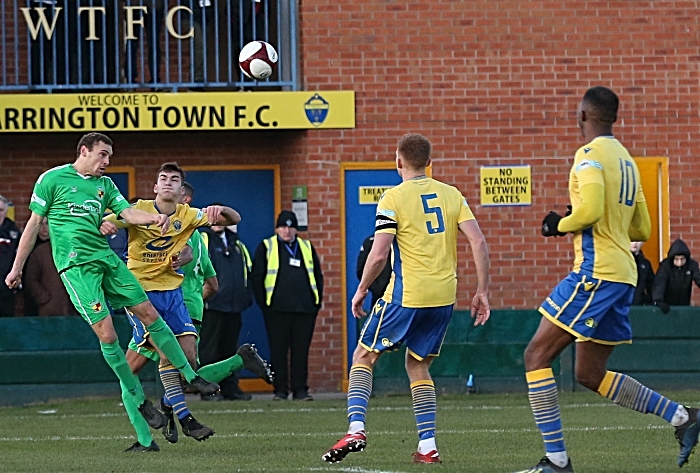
x,y
91,139
188,189
172,167
603,103
415,149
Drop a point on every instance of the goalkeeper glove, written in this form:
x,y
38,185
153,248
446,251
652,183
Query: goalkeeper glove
x,y
550,225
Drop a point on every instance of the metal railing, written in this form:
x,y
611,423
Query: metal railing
x,y
92,45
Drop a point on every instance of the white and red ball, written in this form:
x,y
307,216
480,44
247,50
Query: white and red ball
x,y
258,60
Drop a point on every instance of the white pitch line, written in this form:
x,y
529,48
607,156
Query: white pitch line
x,y
52,438
309,410
324,409
352,469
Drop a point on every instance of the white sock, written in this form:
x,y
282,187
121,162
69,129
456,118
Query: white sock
x,y
680,417
356,426
558,458
427,445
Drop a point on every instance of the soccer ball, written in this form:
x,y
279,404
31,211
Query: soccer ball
x,y
258,60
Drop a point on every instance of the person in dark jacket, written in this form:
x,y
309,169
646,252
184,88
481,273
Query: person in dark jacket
x,y
674,280
221,323
288,285
645,275
42,281
9,239
379,285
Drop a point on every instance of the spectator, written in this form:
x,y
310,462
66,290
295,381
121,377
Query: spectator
x,y
674,280
44,61
645,275
9,238
31,307
43,282
379,285
202,23
221,324
154,22
288,285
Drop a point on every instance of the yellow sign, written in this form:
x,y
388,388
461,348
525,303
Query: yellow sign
x,y
506,185
371,194
177,111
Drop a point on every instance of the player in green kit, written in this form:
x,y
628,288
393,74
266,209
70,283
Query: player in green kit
x,y
74,197
200,277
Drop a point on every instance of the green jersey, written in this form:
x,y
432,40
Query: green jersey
x,y
74,205
196,271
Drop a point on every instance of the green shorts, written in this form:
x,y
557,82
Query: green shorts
x,y
147,352
91,285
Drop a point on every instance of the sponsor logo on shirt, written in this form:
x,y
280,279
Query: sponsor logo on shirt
x,y
38,200
86,208
588,163
386,212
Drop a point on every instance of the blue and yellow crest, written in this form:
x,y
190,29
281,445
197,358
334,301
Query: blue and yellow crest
x,y
316,109
177,225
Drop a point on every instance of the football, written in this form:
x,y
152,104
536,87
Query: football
x,y
258,60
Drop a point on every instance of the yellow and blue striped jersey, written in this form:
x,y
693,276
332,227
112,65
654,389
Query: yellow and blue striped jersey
x,y
603,250
424,214
150,253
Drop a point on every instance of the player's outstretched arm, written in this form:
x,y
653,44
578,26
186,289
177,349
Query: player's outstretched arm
x,y
640,226
134,216
376,260
589,212
222,215
480,309
26,243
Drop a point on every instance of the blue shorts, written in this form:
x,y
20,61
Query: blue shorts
x,y
591,309
422,330
171,306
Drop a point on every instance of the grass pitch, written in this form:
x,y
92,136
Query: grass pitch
x,y
476,433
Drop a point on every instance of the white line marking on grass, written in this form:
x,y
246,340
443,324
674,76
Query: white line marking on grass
x,y
352,469
408,407
54,438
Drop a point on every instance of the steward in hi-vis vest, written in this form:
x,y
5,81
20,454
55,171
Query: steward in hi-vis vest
x,y
288,285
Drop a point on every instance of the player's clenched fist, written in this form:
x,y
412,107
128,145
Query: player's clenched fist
x,y
163,221
213,213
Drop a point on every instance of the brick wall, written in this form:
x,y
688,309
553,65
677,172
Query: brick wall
x,y
489,82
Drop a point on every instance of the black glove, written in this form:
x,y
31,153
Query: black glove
x,y
663,307
550,225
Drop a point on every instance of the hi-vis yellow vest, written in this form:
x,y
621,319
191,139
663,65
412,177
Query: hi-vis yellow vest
x,y
273,266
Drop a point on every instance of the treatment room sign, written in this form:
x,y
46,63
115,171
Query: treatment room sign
x,y
506,185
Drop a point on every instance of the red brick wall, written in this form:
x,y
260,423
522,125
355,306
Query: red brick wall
x,y
489,82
